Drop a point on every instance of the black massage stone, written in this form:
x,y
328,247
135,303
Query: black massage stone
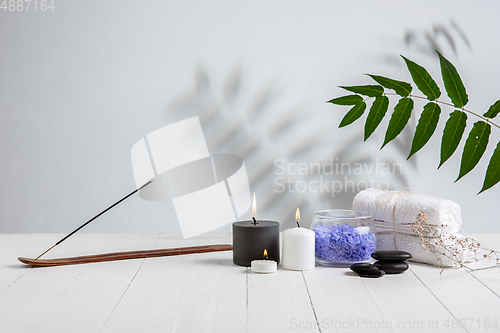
x,y
391,255
392,267
367,270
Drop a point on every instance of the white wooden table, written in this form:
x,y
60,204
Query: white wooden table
x,y
207,293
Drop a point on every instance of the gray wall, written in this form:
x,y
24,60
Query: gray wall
x,y
80,85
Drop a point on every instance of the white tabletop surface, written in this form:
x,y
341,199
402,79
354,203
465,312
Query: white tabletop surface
x,y
207,293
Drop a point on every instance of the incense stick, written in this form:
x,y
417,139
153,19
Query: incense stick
x,y
95,217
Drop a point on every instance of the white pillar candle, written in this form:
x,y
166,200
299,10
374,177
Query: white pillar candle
x,y
298,249
263,266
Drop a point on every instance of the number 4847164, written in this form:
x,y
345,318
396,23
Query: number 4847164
x,y
27,5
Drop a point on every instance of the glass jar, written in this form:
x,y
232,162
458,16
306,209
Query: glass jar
x,y
343,237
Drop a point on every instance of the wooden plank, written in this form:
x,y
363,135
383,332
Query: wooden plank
x,y
214,299
100,287
75,298
343,302
192,293
154,296
279,302
489,277
10,240
11,268
33,245
408,305
470,302
22,303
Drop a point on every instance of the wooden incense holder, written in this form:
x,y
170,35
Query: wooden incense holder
x,y
125,255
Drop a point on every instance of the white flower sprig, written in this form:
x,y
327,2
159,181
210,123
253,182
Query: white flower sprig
x,y
460,249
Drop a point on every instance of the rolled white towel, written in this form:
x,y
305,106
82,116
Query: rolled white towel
x,y
394,210
394,214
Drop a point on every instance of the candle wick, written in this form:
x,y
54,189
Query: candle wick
x,y
254,221
298,225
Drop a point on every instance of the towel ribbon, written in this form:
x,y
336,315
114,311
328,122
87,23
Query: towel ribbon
x,y
395,194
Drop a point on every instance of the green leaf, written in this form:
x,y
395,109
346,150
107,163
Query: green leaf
x,y
399,119
453,83
452,134
377,113
423,80
426,127
370,91
353,114
474,147
401,88
493,110
347,100
493,172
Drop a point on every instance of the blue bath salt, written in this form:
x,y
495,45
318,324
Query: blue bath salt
x,y
343,243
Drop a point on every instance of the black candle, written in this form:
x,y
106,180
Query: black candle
x,y
250,239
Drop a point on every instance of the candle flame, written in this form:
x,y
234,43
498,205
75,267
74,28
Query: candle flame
x,y
265,253
297,215
254,206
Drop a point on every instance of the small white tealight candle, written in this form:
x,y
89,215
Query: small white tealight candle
x,y
298,247
263,266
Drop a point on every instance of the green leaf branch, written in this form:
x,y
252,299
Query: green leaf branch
x,y
477,139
